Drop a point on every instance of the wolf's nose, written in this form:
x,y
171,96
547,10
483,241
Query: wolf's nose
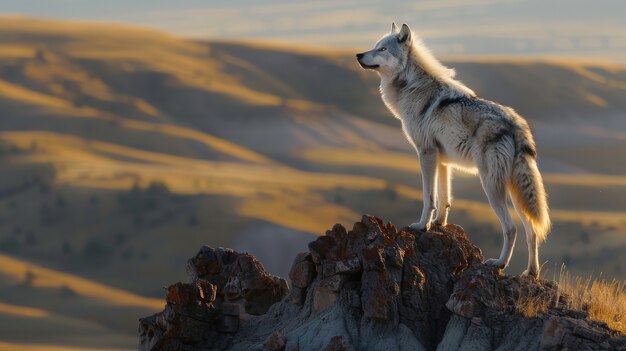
x,y
359,56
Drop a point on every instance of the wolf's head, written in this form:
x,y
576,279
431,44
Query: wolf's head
x,y
390,53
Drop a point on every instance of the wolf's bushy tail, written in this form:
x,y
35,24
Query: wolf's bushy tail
x,y
527,191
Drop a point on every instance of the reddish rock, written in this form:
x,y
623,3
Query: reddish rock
x,y
263,293
350,265
394,255
333,283
275,342
323,298
200,292
206,312
338,344
413,277
321,248
401,290
209,261
189,317
378,301
302,271
374,258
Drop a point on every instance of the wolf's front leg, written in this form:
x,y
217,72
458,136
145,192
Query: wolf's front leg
x,y
443,194
428,163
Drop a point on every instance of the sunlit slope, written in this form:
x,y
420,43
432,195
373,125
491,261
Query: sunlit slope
x,y
249,93
551,91
89,80
150,90
112,107
408,162
114,165
99,74
56,329
16,270
49,112
122,150
128,106
575,108
563,187
543,90
99,165
63,51
63,308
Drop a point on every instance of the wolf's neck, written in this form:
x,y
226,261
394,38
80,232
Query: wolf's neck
x,y
414,77
409,89
418,85
413,84
423,71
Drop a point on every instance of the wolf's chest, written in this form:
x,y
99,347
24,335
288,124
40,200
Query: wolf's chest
x,y
391,99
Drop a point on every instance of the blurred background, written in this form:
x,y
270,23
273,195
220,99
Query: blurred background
x,y
132,133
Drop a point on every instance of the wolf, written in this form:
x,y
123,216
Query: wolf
x,y
450,127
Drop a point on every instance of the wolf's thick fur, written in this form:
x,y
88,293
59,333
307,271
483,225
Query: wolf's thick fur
x,y
450,127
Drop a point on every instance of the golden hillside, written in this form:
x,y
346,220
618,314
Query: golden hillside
x,y
120,146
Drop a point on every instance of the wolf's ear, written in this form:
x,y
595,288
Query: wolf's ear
x,y
405,34
394,28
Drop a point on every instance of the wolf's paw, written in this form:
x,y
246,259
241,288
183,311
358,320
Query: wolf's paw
x,y
533,272
420,227
441,223
441,219
495,263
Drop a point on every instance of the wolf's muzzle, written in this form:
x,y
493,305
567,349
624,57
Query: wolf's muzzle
x,y
359,57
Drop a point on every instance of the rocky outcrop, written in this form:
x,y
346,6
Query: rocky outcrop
x,y
370,288
205,313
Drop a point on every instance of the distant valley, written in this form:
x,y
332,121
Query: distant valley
x,y
119,146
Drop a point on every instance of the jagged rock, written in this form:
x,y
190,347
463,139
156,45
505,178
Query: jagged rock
x,y
370,288
302,271
323,298
205,313
239,278
350,265
188,318
487,316
333,283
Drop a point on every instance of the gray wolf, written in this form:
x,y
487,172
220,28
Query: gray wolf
x,y
451,128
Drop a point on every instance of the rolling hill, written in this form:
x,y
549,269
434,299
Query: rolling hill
x,y
120,145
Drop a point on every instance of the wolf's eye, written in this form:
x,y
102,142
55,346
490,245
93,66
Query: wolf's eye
x,y
382,49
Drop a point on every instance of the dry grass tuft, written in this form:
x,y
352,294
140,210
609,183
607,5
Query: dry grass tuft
x,y
604,301
531,305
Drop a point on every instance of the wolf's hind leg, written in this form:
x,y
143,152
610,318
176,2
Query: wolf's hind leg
x,y
495,189
443,194
533,250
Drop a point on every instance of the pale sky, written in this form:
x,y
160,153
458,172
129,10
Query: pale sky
x,y
564,28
